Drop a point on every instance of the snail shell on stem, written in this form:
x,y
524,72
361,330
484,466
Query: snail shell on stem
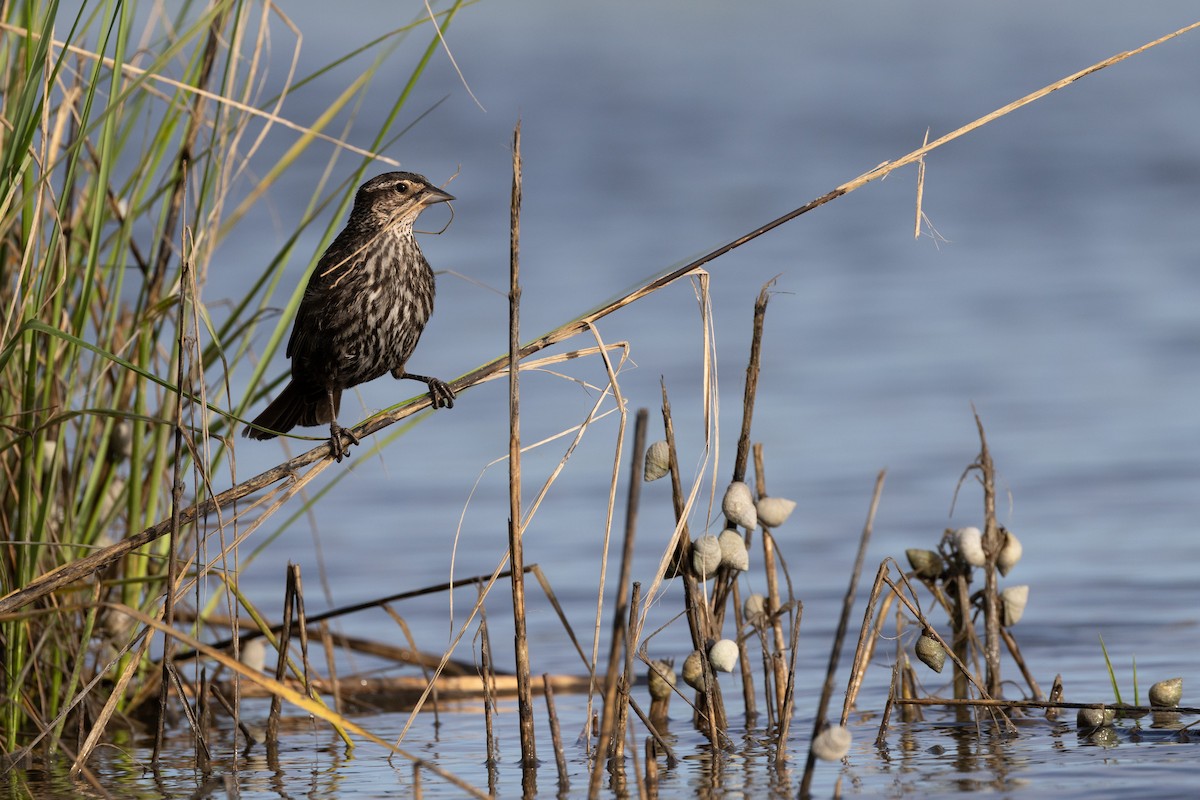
x,y
733,550
1012,601
693,670
926,563
738,505
706,555
723,655
755,609
774,511
1010,554
931,652
661,679
658,461
970,545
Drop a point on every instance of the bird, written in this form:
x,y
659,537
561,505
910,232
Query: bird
x,y
363,311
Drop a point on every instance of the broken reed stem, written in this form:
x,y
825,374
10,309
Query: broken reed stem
x,y
723,585
560,757
993,542
516,554
840,635
621,610
627,676
698,620
610,745
285,640
81,568
866,636
489,699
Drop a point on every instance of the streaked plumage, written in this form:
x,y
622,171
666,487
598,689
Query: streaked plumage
x,y
363,310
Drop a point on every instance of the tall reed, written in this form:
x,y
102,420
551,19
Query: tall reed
x,y
130,153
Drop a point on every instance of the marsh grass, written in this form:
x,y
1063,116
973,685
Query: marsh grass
x,y
127,156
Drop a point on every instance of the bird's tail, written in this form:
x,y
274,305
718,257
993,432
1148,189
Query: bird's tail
x,y
296,405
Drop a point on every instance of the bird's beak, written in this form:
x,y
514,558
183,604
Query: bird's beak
x,y
435,195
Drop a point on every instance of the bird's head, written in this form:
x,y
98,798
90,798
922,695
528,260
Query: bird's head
x,y
397,198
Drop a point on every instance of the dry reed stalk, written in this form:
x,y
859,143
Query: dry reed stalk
x,y
515,550
699,622
621,609
777,627
672,760
742,456
627,676
325,634
285,639
840,635
489,701
612,727
866,636
630,526
560,757
993,542
1011,643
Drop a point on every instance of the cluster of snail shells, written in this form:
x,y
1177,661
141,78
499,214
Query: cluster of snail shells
x,y
969,543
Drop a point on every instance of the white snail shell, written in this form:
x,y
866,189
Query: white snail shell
x,y
755,609
733,550
706,555
774,511
970,545
1010,554
738,505
723,655
658,461
1013,600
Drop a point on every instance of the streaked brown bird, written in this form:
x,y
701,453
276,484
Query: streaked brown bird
x,y
363,311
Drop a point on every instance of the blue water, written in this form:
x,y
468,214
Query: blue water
x,y
1059,297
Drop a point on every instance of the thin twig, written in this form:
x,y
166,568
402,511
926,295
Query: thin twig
x,y
516,553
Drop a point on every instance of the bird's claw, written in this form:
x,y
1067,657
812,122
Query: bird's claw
x,y
440,393
337,448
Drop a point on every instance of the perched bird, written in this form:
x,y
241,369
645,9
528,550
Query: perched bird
x,y
363,310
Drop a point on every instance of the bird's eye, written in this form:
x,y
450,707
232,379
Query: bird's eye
x,y
402,188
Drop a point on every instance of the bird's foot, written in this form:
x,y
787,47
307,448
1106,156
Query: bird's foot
x,y
440,393
336,447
